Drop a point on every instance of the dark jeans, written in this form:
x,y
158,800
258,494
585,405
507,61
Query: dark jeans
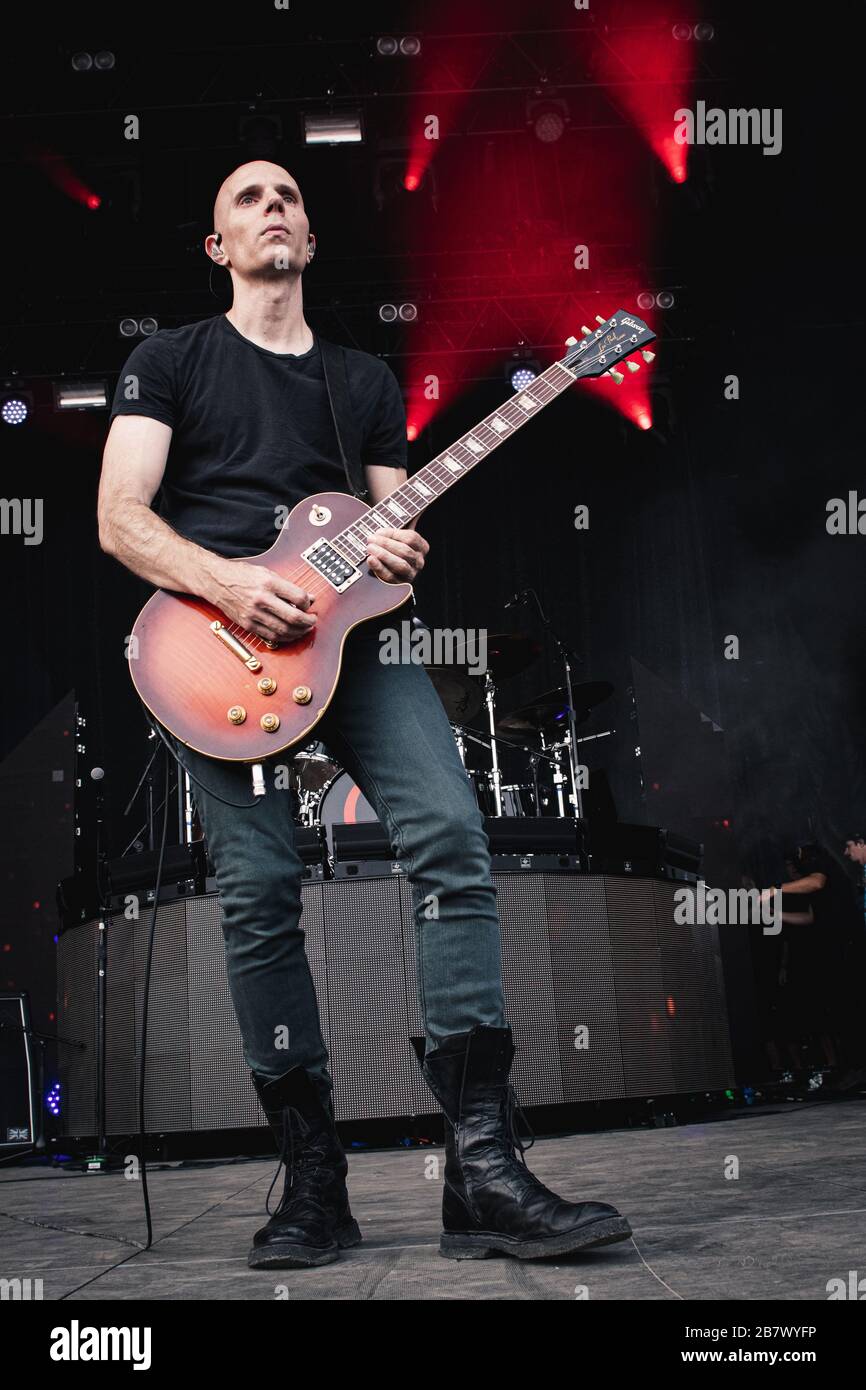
x,y
387,727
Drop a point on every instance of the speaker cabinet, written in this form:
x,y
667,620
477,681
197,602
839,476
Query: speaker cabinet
x,y
17,1118
607,995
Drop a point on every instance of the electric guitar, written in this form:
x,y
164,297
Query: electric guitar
x,y
231,694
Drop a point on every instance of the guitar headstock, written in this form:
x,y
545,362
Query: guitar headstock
x,y
601,349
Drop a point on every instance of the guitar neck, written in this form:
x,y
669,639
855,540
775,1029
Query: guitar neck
x,y
410,499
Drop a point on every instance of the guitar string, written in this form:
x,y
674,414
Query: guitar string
x,y
509,410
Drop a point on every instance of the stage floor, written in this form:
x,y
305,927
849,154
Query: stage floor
x,y
793,1219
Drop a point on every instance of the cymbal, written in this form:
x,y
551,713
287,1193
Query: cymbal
x,y
461,694
549,712
508,653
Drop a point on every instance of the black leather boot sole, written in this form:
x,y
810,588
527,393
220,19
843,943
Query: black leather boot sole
x,y
477,1245
290,1255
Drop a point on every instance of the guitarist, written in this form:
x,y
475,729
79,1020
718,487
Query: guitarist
x,y
229,417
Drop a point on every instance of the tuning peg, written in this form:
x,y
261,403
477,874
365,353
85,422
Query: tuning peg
x,y
633,366
647,356
599,319
585,331
570,342
617,376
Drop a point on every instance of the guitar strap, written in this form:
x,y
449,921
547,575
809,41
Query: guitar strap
x,y
345,424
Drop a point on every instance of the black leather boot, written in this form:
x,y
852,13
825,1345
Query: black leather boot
x,y
491,1201
313,1221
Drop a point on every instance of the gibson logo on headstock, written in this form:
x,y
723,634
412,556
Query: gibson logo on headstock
x,y
630,323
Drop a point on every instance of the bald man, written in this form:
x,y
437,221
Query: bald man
x,y
229,420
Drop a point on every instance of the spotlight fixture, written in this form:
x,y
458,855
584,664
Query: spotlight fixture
x,y
548,118
103,61
521,370
132,328
682,32
261,134
704,32
389,46
655,299
80,395
16,407
333,128
389,313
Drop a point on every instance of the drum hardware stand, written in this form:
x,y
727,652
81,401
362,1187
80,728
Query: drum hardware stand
x,y
535,756
495,775
567,656
460,740
559,777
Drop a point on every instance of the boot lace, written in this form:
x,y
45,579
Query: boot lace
x,y
513,1109
307,1151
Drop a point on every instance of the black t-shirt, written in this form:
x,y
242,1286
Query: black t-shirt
x,y
252,429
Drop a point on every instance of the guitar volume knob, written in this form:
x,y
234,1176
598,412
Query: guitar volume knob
x,y
270,723
302,694
237,714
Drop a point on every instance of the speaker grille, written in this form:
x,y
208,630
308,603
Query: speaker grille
x,y
578,950
369,1020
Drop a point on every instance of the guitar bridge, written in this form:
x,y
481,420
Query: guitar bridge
x,y
331,565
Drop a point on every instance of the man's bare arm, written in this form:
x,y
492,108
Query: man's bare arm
x,y
132,468
133,465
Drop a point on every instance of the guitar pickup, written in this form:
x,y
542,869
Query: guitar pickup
x,y
331,565
236,647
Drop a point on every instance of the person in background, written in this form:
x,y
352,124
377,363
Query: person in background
x,y
819,1004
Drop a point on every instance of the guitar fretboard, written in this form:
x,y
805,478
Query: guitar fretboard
x,y
411,498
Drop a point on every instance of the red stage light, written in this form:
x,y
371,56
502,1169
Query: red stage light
x,y
411,182
93,201
644,420
411,431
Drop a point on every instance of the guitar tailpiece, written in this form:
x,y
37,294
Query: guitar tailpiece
x,y
258,780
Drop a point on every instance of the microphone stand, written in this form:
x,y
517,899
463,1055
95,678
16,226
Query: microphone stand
x,y
567,656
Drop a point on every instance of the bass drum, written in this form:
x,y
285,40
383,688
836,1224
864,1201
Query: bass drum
x,y
343,803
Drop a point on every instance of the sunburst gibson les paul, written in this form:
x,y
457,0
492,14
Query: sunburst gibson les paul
x,y
230,694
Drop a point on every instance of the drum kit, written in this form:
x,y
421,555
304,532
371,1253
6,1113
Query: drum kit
x,y
537,744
